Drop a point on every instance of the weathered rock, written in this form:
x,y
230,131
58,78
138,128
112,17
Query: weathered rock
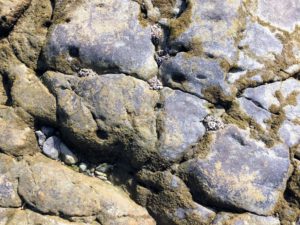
x,y
239,172
261,42
244,219
3,97
67,155
16,138
97,119
170,200
284,14
99,40
10,11
30,32
51,147
199,76
28,217
210,26
180,123
8,183
52,188
29,93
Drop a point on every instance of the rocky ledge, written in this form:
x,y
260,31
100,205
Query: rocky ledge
x,y
149,112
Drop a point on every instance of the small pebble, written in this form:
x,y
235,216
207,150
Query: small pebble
x,y
98,173
104,168
67,155
82,167
51,147
41,137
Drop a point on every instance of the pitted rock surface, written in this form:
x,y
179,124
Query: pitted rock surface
x,y
168,112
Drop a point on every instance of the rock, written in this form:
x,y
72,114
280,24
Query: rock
x,y
8,183
29,93
100,122
104,168
3,97
41,137
199,76
245,218
10,11
51,147
28,217
52,188
171,202
284,15
209,26
180,123
67,155
48,131
260,115
16,137
29,34
261,42
239,172
120,45
82,167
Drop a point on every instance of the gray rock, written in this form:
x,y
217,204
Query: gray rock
x,y
212,26
199,76
180,123
105,43
239,172
258,114
261,42
282,14
67,155
51,147
244,219
41,137
289,133
265,95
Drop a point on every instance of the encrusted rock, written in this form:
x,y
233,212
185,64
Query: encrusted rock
x,y
239,172
54,189
106,43
213,123
16,137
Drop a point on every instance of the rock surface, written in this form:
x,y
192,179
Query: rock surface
x,y
168,112
239,172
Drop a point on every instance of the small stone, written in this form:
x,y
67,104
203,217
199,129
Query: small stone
x,y
82,167
213,123
48,131
155,84
100,173
67,155
104,168
86,73
51,147
41,137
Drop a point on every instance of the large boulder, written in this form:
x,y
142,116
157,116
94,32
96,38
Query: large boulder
x,y
239,172
100,40
16,137
52,188
107,115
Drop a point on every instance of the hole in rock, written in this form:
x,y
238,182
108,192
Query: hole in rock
x,y
74,51
102,134
178,77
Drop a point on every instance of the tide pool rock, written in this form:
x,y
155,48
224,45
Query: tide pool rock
x,y
239,172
